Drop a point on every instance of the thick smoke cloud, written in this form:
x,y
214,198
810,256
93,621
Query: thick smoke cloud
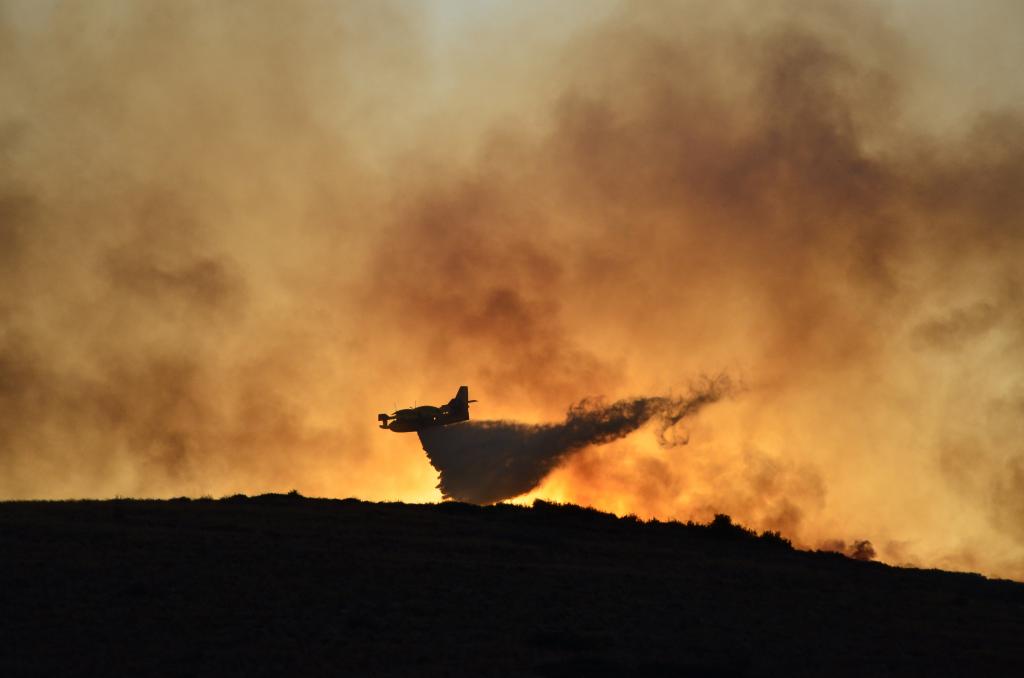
x,y
488,461
166,172
230,233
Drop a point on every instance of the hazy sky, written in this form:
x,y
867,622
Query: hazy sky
x,y
233,232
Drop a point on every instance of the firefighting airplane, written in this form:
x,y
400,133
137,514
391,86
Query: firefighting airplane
x,y
426,416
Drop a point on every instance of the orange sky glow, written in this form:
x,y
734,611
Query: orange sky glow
x,y
232,233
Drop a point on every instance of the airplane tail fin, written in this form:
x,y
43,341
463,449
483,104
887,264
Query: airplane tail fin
x,y
459,405
383,419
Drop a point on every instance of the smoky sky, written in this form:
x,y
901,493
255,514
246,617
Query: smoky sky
x,y
231,233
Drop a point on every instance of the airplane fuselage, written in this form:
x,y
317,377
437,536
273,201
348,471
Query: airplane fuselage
x,y
418,418
426,416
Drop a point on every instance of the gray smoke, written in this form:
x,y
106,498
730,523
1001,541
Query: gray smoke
x,y
487,461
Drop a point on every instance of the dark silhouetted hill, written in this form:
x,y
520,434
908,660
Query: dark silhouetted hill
x,y
284,585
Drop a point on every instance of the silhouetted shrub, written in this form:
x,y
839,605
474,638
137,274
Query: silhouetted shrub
x,y
585,513
723,527
775,538
273,499
459,507
505,507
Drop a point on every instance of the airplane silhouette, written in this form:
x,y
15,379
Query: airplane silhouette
x,y
425,416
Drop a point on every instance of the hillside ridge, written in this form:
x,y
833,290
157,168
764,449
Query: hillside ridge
x,y
284,583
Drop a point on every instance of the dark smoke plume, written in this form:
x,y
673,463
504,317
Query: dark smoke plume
x,y
487,461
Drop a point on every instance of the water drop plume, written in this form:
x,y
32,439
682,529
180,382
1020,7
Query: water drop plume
x,y
487,461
